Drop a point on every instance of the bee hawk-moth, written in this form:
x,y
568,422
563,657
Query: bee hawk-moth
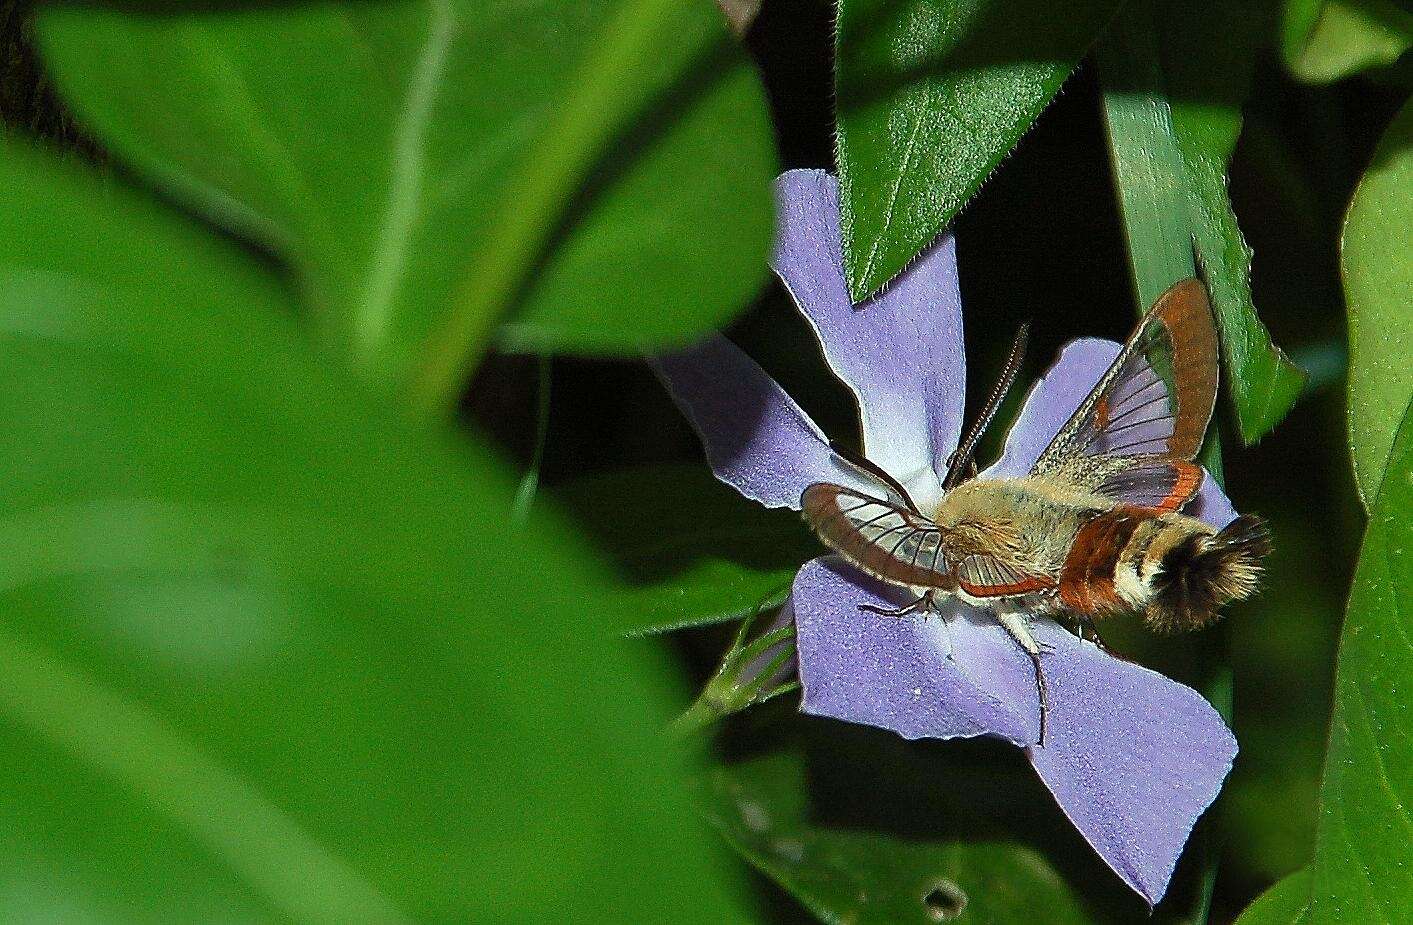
x,y
1095,528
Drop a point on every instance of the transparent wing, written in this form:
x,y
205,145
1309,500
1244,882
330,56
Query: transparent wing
x,y
982,575
1160,485
882,538
1144,421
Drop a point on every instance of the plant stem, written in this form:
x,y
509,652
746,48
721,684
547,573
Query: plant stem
x,y
530,481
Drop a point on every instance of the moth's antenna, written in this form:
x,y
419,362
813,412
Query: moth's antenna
x,y
959,461
872,468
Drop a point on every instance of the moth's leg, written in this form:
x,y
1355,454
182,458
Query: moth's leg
x,y
923,603
947,631
1019,627
1083,621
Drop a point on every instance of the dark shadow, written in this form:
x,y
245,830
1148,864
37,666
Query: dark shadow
x,y
1032,31
652,530
962,791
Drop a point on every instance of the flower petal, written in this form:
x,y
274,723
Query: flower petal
x,y
1052,400
1133,758
897,673
757,439
900,352
1211,504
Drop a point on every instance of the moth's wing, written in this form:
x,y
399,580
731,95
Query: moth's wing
x,y
883,539
985,575
1159,484
1134,436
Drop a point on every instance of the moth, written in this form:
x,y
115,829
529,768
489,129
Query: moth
x,y
1095,528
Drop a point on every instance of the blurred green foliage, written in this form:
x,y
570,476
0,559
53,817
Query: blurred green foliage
x,y
421,170
267,640
1326,40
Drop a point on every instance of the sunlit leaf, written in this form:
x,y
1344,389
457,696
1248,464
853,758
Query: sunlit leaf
x,y
1174,86
1208,53
270,651
687,550
932,94
1149,174
1286,903
1325,40
1378,287
426,167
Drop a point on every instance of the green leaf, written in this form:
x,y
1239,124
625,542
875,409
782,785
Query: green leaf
x,y
1363,865
1208,54
1174,110
270,652
932,94
1378,286
1326,40
862,826
428,167
1149,175
1286,903
687,550
758,666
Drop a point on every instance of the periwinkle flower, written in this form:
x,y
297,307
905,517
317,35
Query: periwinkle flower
x,y
1132,758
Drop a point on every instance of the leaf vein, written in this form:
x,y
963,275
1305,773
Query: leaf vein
x,y
888,212
409,155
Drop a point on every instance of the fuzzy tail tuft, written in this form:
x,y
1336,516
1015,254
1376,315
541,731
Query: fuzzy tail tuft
x,y
1202,573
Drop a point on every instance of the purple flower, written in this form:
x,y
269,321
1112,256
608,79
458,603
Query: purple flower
x,y
1132,757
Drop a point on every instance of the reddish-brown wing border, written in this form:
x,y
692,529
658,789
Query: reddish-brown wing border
x,y
1181,328
881,538
982,575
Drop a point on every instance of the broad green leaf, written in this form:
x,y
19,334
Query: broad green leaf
x,y
687,550
1286,903
270,651
863,827
1149,176
1363,865
932,94
427,167
1326,40
1378,287
1208,53
1175,78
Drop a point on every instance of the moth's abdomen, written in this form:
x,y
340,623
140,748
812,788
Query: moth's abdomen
x,y
1201,572
1175,570
1090,581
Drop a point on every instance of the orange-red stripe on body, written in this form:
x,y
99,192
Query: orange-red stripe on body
x,y
1101,413
1087,579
